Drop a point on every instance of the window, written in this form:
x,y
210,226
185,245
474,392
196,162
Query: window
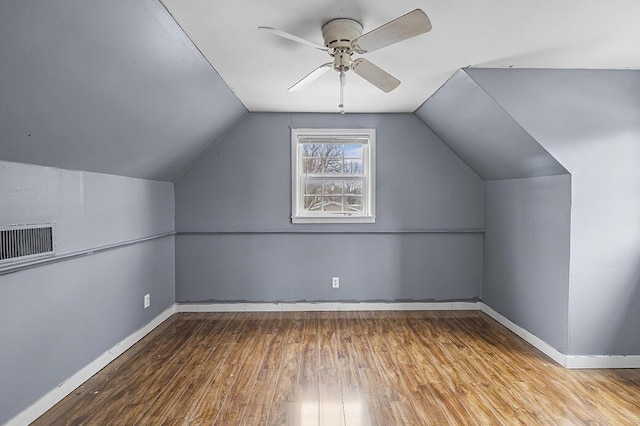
x,y
333,175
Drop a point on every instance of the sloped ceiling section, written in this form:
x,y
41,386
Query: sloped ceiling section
x,y
480,132
112,87
567,110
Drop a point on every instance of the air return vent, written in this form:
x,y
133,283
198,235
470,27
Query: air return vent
x,y
25,242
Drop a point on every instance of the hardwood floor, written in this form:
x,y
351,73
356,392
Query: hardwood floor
x,y
336,368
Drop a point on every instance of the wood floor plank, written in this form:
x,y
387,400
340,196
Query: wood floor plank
x,y
268,373
188,404
245,379
226,393
305,411
344,368
282,391
188,366
379,393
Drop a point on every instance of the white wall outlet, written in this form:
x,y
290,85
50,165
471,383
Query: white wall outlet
x,y
147,300
335,282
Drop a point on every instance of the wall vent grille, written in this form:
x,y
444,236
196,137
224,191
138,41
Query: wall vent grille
x,y
24,242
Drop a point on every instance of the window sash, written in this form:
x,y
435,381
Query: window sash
x,y
364,212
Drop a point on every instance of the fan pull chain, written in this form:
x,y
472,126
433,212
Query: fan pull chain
x,y
343,78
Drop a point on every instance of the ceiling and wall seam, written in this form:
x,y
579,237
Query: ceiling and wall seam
x,y
438,134
438,90
570,256
200,156
513,119
203,57
449,148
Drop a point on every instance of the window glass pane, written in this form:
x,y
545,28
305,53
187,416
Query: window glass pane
x,y
353,167
353,204
313,186
312,165
313,203
353,187
353,151
332,150
332,187
332,166
332,204
312,150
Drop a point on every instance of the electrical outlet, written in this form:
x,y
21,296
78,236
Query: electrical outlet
x,y
335,282
147,300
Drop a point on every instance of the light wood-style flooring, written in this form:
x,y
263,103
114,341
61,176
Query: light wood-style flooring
x,y
344,368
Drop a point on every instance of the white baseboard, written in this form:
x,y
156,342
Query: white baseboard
x,y
54,396
567,361
327,306
602,361
535,341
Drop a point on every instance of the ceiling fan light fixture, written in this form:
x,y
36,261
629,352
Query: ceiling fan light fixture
x,y
343,37
340,33
342,59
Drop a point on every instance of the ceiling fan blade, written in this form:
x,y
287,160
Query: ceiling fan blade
x,y
410,25
375,75
311,77
293,37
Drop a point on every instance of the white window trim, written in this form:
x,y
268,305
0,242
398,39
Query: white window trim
x,y
298,214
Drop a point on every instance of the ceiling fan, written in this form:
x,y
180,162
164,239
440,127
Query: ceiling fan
x,y
343,37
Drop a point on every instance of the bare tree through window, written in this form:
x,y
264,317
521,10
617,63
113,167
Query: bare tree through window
x,y
333,176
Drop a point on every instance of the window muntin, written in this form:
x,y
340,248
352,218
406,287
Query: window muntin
x,y
332,175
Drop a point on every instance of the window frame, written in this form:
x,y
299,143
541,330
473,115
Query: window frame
x,y
298,213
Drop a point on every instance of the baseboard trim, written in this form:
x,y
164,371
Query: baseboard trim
x,y
56,395
574,362
602,361
531,338
326,306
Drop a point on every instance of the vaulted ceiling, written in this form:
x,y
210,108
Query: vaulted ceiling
x,y
259,67
121,88
113,87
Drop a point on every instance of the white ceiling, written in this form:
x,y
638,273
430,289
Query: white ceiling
x,y
259,67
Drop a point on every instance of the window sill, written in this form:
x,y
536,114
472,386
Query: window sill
x,y
346,219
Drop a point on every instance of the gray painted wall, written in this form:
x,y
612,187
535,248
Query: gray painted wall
x,y
244,182
57,318
243,185
526,254
87,209
590,121
298,267
112,87
483,134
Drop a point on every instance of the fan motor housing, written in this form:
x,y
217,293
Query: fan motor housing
x,y
339,33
